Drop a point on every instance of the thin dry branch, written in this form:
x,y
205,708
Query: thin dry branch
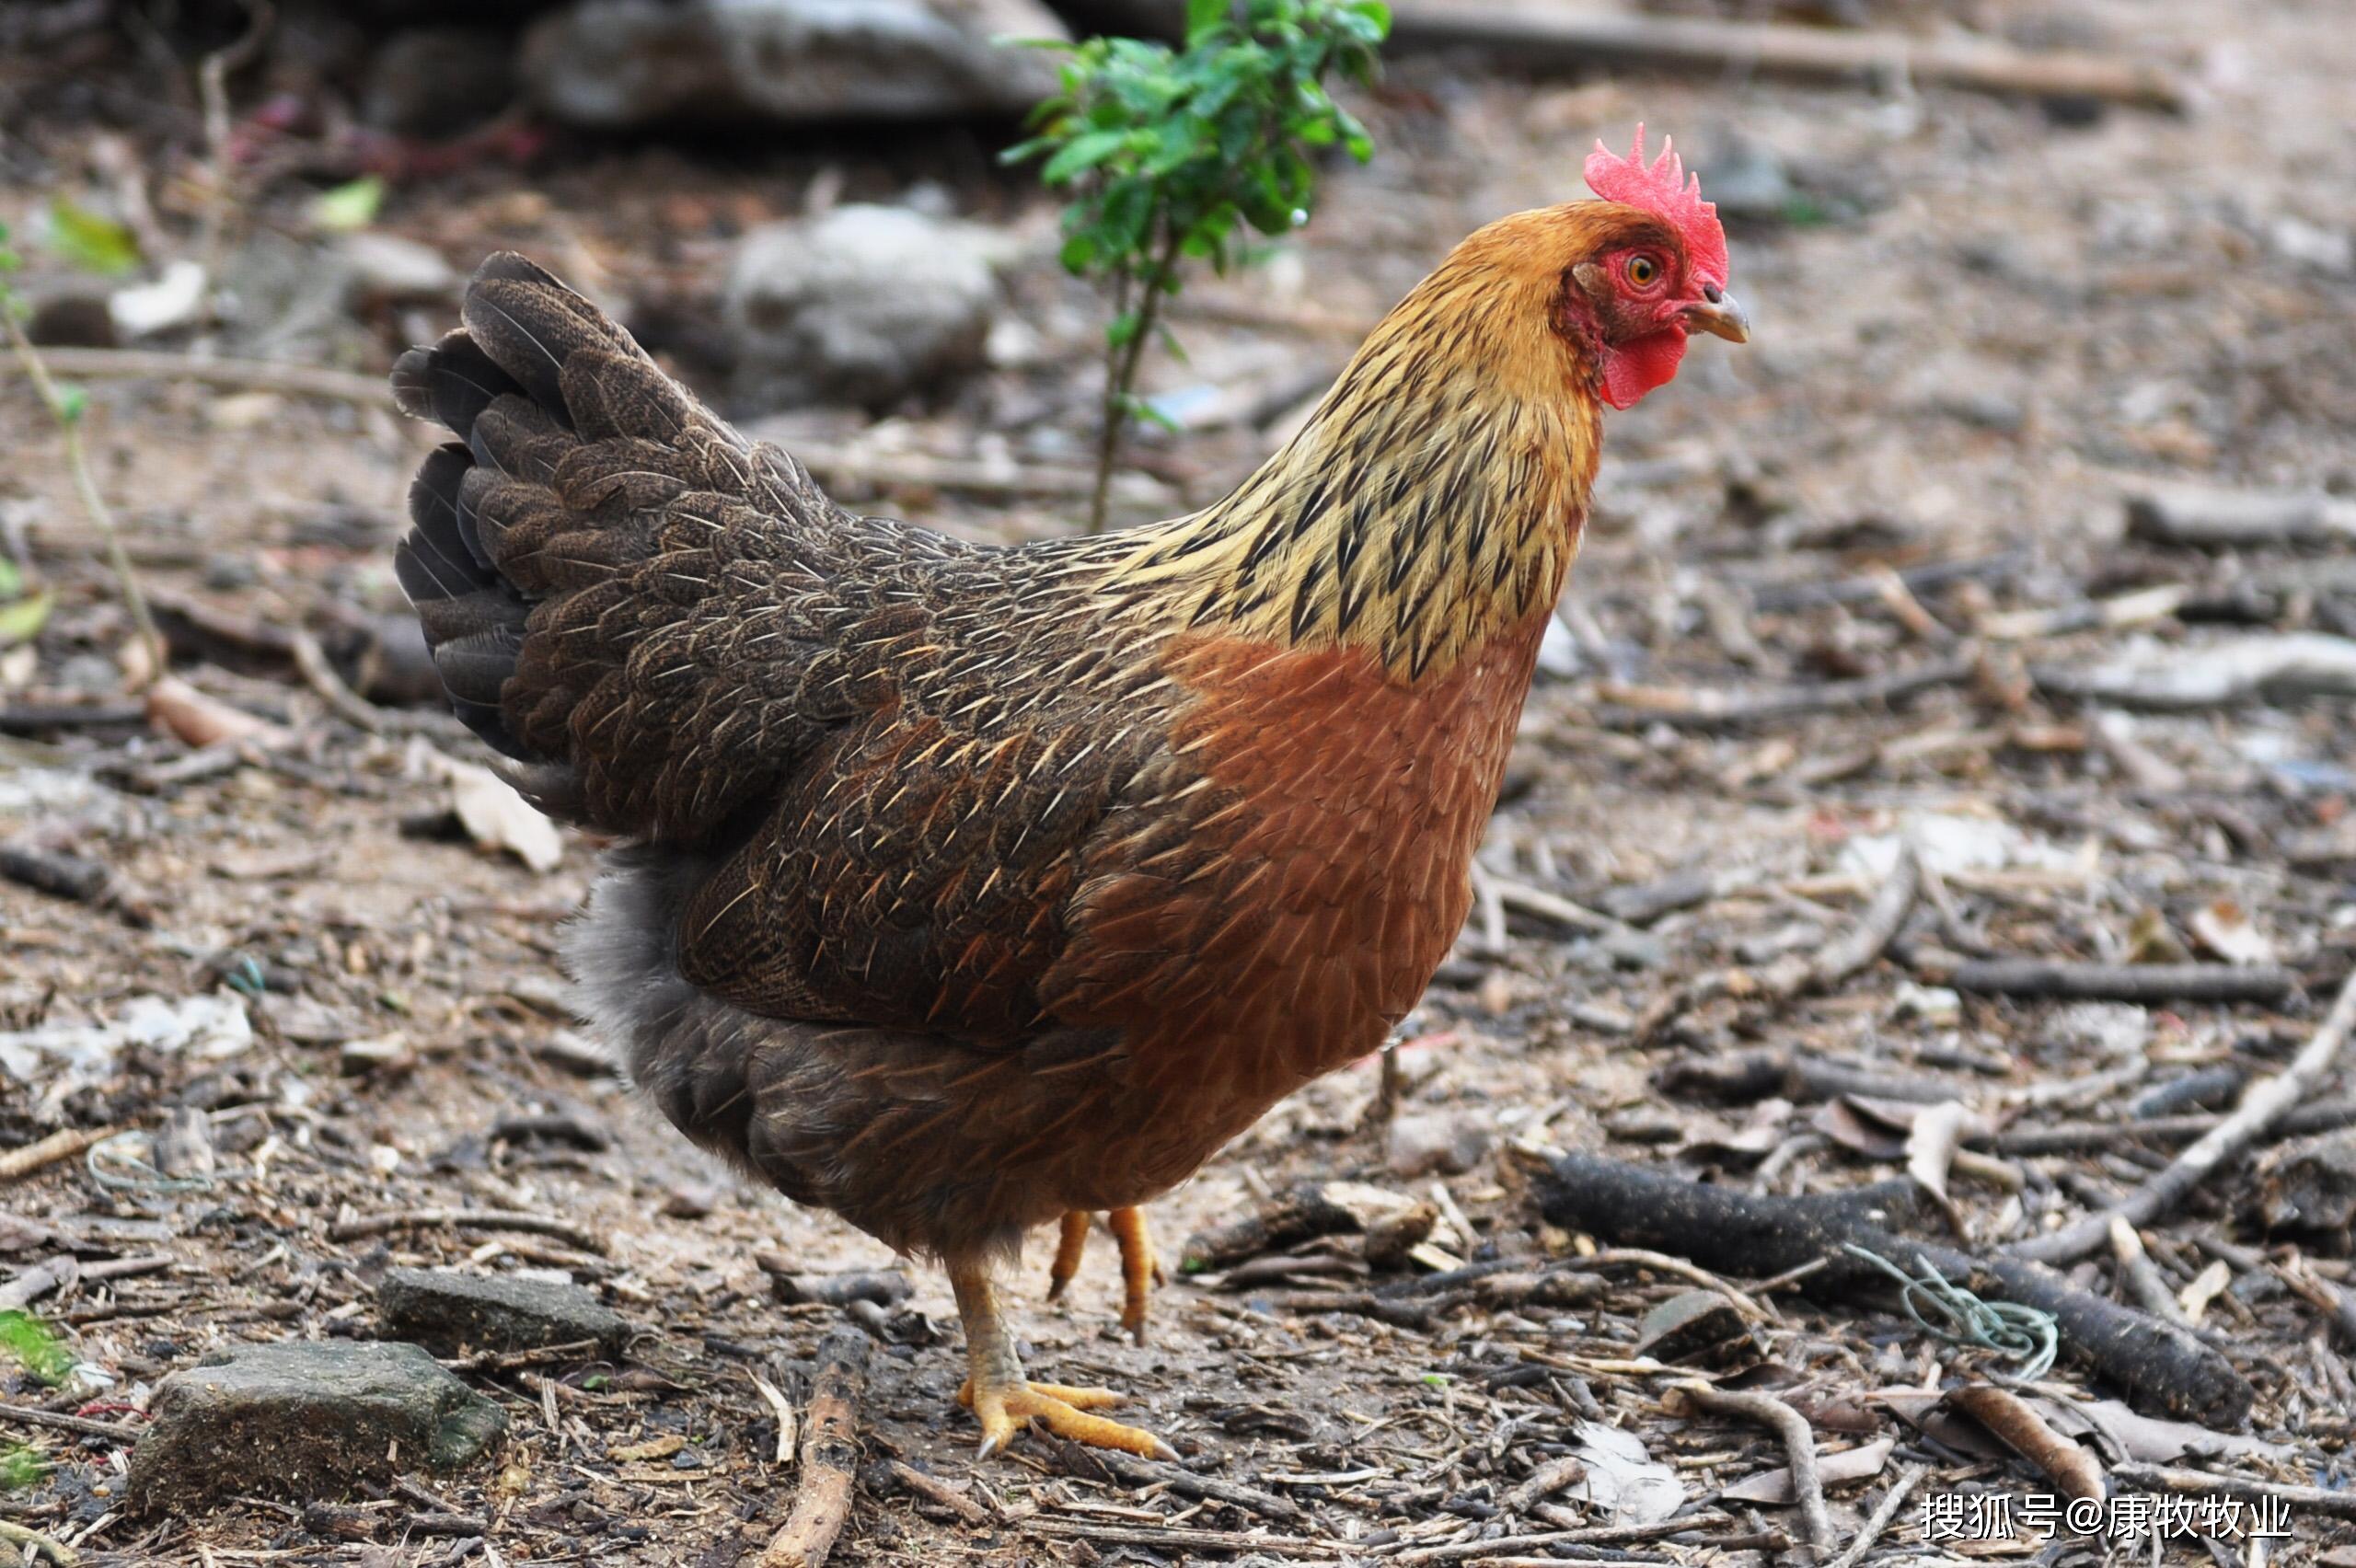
x,y
469,1219
829,1455
2265,1104
235,376
1884,1513
1559,37
42,1153
1799,1448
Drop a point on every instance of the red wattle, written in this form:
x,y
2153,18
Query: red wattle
x,y
1640,365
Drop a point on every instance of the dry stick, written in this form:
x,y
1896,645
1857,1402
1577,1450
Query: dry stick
x,y
32,1544
1798,975
1111,1464
236,375
2141,1276
1636,708
1799,1448
1884,1512
2159,1367
1555,38
2146,983
2167,1478
934,1491
62,1144
829,1455
2011,1418
82,1425
467,1219
1587,1534
2261,1108
311,660
2076,1137
69,426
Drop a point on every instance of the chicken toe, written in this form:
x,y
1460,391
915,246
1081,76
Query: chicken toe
x,y
1004,1399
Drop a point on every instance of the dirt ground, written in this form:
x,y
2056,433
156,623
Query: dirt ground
x,y
1981,327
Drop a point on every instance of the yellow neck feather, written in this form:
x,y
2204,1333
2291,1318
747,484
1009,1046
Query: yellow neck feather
x,y
1435,497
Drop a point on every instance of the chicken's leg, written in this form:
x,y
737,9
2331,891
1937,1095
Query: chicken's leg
x,y
1140,1268
1002,1398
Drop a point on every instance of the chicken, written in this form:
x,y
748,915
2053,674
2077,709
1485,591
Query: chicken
x,y
964,889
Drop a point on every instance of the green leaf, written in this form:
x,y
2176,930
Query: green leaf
x,y
22,1465
1079,253
21,619
351,205
1083,153
34,1345
1122,330
1201,15
12,580
89,241
73,402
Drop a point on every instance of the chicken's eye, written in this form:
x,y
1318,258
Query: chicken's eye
x,y
1642,271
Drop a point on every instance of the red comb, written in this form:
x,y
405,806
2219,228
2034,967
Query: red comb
x,y
1663,188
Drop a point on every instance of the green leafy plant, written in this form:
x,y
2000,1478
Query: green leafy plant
x,y
67,404
22,1465
34,1345
1174,156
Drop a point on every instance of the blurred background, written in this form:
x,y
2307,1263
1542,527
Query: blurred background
x,y
2024,532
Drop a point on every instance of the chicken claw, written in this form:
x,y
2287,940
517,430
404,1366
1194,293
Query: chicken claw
x,y
1140,1266
1004,1400
1062,1411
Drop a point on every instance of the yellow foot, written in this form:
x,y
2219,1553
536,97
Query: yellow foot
x,y
1062,1411
1140,1268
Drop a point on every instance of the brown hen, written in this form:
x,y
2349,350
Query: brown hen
x,y
969,888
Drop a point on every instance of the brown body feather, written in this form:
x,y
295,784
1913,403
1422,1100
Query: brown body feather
x,y
973,885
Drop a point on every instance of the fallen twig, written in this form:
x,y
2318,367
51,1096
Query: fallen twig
x,y
31,1544
2069,1465
469,1219
936,1491
1634,707
1798,975
1552,37
348,705
829,1455
2167,1478
63,1143
1110,1465
81,1425
2039,979
2157,1364
1884,1513
1799,1448
238,375
2221,519
1586,1534
2140,1276
2262,1106
2072,1137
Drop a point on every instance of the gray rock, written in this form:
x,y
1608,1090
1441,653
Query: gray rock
x,y
450,1311
865,305
1420,1143
608,63
437,83
306,1420
384,269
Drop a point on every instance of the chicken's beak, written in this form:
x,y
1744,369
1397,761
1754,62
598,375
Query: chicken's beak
x,y
1721,318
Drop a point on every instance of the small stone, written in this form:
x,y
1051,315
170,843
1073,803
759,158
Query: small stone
x,y
2310,1185
1424,1143
450,1311
1692,1325
691,1200
865,305
306,1420
384,268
